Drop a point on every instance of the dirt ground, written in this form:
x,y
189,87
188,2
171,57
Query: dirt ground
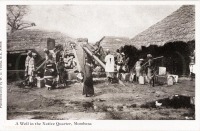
x,y
111,102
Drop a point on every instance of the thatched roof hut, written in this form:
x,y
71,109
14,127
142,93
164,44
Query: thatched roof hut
x,y
179,26
34,39
19,42
173,37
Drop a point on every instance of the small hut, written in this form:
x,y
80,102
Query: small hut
x,y
173,37
19,42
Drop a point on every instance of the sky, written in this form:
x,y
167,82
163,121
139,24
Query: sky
x,y
95,21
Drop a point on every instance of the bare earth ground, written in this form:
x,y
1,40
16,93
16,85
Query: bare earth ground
x,y
110,102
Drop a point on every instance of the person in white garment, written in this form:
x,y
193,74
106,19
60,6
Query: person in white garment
x,y
109,69
138,67
192,65
29,56
31,70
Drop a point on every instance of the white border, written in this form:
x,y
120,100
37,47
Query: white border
x,y
101,124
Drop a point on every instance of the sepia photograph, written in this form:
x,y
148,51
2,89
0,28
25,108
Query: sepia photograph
x,y
101,62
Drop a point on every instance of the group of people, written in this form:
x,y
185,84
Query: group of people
x,y
54,68
56,63
115,66
119,64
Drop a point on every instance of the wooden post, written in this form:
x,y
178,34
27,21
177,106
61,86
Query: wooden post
x,y
98,60
95,57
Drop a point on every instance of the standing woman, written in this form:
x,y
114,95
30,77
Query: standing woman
x,y
88,88
110,62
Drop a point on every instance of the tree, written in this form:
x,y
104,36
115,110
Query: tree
x,y
15,15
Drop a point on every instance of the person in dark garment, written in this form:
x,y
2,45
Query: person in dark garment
x,y
88,88
150,68
50,74
61,71
98,51
119,63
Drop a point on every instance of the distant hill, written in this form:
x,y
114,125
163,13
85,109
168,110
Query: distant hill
x,y
34,39
113,43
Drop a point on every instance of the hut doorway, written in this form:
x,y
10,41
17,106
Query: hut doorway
x,y
177,58
16,63
175,63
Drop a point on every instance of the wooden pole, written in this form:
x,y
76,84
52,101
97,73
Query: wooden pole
x,y
41,65
95,57
99,61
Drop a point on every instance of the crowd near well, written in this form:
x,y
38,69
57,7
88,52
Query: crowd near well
x,y
145,70
144,59
149,76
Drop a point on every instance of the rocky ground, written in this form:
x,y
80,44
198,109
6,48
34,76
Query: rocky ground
x,y
113,101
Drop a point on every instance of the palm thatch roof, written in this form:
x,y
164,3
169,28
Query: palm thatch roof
x,y
179,26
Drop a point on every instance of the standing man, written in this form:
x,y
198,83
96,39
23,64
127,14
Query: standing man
x,y
48,55
29,55
98,51
54,54
150,68
110,62
138,66
31,69
126,63
119,63
61,71
123,59
192,66
72,62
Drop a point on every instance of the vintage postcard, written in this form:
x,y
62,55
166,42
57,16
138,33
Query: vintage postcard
x,y
99,65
